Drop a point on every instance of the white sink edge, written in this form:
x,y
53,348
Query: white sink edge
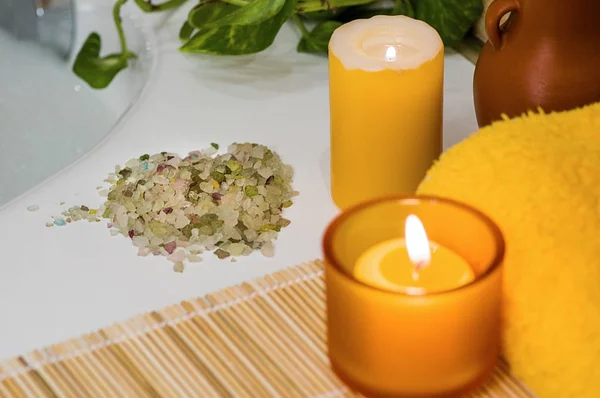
x,y
151,43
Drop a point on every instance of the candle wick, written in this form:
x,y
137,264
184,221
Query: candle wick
x,y
415,274
417,269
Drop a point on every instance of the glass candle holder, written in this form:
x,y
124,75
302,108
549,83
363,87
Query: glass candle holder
x,y
413,342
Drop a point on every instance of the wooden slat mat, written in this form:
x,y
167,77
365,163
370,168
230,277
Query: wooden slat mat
x,y
265,338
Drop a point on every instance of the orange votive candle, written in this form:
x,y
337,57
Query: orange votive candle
x,y
386,100
413,297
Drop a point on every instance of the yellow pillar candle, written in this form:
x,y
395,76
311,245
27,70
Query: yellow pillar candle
x,y
386,99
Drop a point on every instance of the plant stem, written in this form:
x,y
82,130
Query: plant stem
x,y
147,6
119,26
306,6
300,25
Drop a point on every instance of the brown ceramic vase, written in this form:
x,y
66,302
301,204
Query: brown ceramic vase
x,y
546,55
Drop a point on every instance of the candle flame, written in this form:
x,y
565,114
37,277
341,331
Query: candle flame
x,y
417,243
390,53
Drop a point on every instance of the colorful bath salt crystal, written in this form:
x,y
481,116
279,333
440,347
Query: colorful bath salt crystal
x,y
178,267
230,204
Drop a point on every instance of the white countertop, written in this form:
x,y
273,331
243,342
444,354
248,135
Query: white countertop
x,y
57,283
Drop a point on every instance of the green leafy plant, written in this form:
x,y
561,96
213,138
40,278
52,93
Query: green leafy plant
x,y
237,27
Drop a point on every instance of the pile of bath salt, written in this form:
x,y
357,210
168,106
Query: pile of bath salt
x,y
230,204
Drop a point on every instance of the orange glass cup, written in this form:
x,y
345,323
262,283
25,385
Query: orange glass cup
x,y
396,344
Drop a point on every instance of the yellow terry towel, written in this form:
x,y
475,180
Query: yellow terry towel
x,y
538,177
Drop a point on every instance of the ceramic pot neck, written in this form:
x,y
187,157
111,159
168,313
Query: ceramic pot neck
x,y
560,17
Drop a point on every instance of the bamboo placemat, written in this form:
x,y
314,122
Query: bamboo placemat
x,y
264,338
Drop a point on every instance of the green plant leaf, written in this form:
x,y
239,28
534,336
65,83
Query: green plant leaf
x,y
334,4
209,11
254,13
149,6
96,71
320,16
186,31
398,7
313,6
239,39
451,18
318,38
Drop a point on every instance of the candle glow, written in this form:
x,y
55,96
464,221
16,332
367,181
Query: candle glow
x,y
390,54
417,243
412,263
